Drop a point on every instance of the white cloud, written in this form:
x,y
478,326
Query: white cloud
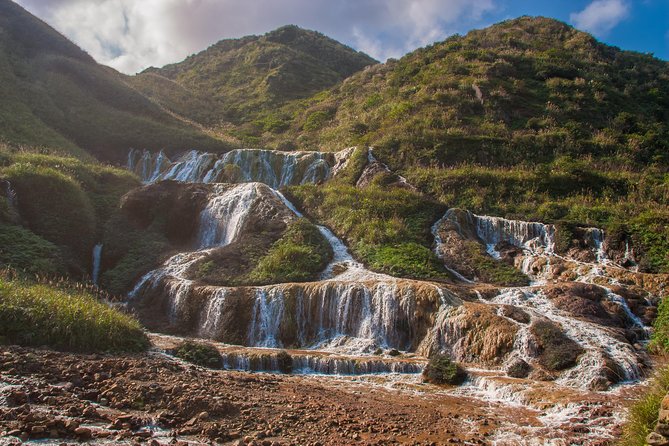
x,y
600,16
130,35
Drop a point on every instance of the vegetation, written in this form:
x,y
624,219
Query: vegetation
x,y
388,229
60,201
200,353
643,414
441,370
37,314
298,256
55,95
660,339
244,80
24,250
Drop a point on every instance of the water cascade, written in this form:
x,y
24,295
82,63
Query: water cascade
x,y
97,254
274,168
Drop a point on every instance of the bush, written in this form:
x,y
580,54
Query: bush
x,y
205,355
285,362
642,415
54,206
36,315
441,370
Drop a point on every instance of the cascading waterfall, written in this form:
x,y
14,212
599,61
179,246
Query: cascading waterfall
x,y
531,236
274,168
97,254
598,342
225,214
10,193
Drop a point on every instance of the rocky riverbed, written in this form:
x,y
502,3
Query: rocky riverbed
x,y
57,398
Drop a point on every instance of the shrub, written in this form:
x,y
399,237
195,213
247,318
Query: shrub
x,y
284,362
642,415
441,370
205,355
298,256
36,315
54,206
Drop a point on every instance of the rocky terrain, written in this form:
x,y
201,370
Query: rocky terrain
x,y
154,399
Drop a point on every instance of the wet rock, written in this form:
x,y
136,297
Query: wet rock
x,y
655,439
518,368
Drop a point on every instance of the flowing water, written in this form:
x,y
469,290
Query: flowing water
x,y
353,313
97,254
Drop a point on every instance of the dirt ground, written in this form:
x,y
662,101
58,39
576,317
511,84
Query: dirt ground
x,y
152,398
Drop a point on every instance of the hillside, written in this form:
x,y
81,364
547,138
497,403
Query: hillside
x,y
524,90
55,95
236,80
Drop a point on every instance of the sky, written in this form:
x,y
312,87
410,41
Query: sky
x,y
131,35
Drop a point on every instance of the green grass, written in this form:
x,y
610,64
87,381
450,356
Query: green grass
x,y
387,228
23,250
643,414
36,315
298,256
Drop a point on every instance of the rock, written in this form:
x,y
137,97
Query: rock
x,y
655,439
518,368
662,428
665,403
83,432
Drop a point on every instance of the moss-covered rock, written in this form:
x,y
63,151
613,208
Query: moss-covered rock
x,y
441,370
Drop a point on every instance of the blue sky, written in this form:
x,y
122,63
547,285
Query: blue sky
x,y
131,35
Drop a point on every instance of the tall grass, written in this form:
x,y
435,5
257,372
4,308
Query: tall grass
x,y
643,414
38,314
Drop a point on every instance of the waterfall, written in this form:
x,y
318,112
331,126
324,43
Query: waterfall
x,y
225,214
274,168
97,254
531,236
341,256
266,318
598,342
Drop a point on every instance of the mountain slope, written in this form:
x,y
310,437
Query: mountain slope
x,y
237,78
528,89
55,95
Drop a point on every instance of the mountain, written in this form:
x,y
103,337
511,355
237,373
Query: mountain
x,y
528,89
238,78
55,95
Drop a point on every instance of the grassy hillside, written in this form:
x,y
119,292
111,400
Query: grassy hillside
x,y
55,95
59,210
525,90
63,318
527,119
240,80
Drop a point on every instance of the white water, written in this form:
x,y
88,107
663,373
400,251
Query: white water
x,y
274,168
225,214
97,254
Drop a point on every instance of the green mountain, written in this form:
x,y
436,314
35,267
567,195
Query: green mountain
x,y
528,89
235,80
55,95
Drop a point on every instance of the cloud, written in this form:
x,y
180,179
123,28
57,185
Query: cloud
x,y
130,35
600,16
